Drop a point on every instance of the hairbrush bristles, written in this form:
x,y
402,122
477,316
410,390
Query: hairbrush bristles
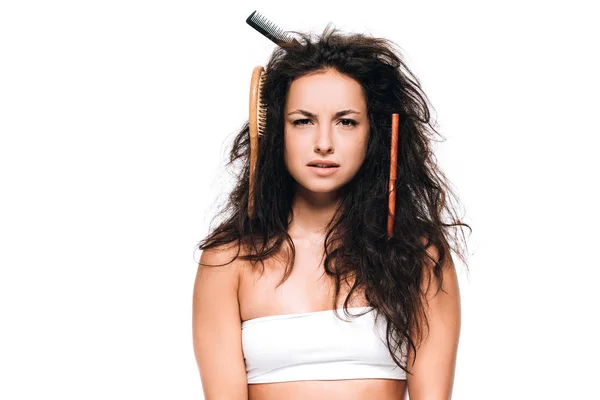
x,y
257,127
261,118
269,29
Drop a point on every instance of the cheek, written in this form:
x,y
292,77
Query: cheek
x,y
359,150
357,155
293,146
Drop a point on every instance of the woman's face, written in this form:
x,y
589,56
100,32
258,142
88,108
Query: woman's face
x,y
325,119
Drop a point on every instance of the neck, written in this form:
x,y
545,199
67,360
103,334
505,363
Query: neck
x,y
312,212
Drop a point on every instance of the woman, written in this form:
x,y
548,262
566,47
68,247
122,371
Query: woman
x,y
311,299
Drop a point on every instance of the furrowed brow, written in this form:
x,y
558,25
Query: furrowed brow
x,y
336,115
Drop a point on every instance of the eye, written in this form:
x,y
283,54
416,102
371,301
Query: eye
x,y
344,122
351,121
298,122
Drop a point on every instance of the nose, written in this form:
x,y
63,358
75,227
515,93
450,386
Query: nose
x,y
324,143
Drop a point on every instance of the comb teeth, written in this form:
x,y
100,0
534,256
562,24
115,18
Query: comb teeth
x,y
268,29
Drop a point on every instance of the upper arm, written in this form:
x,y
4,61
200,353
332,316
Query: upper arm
x,y
216,326
433,371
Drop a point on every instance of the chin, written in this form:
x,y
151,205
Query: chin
x,y
323,187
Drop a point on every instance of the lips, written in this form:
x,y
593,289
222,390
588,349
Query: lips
x,y
324,171
323,164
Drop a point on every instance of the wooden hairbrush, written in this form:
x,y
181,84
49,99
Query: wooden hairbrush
x,y
257,125
258,108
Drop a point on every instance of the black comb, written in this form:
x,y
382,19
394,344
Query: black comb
x,y
269,29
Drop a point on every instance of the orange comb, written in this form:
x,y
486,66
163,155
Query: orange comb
x,y
392,183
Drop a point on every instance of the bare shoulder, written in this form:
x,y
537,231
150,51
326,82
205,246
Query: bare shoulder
x,y
432,374
222,261
216,325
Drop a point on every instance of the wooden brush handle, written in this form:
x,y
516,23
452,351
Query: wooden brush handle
x,y
392,182
253,124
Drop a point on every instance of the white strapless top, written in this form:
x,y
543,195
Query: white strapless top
x,y
318,346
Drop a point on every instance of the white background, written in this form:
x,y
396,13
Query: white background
x,y
115,121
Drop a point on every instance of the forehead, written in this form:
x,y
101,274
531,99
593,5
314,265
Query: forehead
x,y
328,90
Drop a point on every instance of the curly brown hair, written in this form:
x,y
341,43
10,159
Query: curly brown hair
x,y
391,271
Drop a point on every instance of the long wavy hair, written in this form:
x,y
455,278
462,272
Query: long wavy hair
x,y
390,271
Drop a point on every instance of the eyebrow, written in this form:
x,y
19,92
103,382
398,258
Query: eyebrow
x,y
336,115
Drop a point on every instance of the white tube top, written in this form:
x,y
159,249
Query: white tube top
x,y
317,346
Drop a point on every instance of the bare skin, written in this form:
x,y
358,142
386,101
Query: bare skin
x,y
350,389
242,295
306,290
